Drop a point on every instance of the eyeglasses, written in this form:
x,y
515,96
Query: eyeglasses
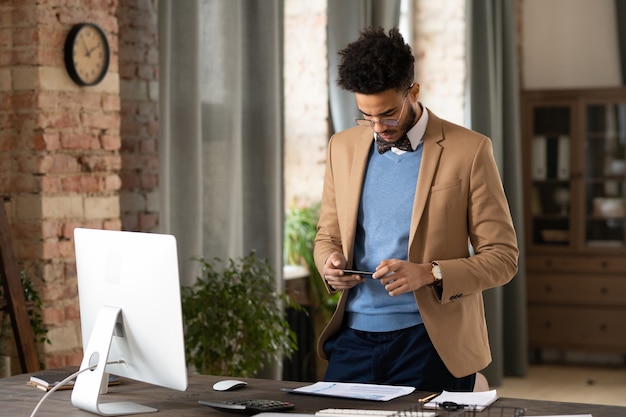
x,y
386,122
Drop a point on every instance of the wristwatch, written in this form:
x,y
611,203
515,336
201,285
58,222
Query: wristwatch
x,y
436,273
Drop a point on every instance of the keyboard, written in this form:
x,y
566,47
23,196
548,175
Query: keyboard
x,y
353,412
249,406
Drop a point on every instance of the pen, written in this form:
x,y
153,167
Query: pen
x,y
428,398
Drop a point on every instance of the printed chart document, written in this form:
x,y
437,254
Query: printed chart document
x,y
357,391
480,400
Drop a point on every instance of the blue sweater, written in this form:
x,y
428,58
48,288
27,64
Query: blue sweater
x,y
383,225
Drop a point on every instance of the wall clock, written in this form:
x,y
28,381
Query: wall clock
x,y
86,54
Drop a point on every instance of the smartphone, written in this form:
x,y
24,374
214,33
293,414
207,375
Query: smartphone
x,y
364,274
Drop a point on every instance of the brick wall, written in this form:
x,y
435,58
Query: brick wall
x,y
139,72
306,100
67,153
439,49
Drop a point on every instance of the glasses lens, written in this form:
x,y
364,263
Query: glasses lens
x,y
388,122
370,123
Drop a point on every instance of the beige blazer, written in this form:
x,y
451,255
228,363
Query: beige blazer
x,y
459,200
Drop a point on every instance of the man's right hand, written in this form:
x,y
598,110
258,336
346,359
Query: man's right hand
x,y
334,276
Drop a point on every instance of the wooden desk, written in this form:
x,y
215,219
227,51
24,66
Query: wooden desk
x,y
18,399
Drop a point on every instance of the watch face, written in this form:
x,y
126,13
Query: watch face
x,y
436,271
86,54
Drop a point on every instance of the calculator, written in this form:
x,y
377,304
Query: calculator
x,y
249,406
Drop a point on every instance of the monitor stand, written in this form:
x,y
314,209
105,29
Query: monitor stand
x,y
90,384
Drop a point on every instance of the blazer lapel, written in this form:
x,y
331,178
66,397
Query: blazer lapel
x,y
357,174
428,168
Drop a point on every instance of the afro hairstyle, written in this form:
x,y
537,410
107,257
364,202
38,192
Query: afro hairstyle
x,y
376,62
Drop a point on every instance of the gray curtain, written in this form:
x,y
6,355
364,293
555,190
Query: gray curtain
x,y
221,129
346,19
493,97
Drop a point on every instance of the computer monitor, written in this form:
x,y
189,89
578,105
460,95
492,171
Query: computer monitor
x,y
130,310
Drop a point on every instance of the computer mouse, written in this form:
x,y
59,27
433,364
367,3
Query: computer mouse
x,y
229,385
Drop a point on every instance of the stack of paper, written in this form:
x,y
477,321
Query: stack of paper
x,y
358,391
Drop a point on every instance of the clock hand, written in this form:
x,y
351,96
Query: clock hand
x,y
85,43
93,49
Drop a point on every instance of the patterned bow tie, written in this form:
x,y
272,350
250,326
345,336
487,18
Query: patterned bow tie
x,y
403,144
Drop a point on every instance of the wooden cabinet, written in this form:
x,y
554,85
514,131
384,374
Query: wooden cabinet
x,y
574,153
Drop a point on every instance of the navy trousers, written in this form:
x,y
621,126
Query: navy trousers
x,y
402,357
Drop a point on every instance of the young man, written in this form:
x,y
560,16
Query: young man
x,y
410,214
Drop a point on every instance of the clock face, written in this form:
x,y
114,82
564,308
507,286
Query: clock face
x,y
86,54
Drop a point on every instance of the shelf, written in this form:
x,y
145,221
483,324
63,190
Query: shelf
x,y
603,135
603,218
575,211
551,181
555,236
548,216
605,243
603,179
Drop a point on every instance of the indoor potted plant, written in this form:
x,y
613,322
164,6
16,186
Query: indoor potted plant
x,y
234,318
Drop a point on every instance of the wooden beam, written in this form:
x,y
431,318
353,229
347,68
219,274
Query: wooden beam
x,y
14,298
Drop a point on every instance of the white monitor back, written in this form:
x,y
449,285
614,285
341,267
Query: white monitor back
x,y
136,273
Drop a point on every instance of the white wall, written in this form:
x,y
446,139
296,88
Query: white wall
x,y
569,43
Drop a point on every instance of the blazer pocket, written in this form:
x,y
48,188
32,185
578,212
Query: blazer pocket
x,y
445,185
446,195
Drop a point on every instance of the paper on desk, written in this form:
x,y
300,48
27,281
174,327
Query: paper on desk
x,y
480,399
357,391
